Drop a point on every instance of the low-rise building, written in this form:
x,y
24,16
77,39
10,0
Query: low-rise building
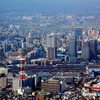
x,y
3,81
52,86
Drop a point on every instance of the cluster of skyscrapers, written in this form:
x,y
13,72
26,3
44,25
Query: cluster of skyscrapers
x,y
85,46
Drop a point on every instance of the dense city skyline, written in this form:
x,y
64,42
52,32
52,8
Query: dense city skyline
x,y
49,50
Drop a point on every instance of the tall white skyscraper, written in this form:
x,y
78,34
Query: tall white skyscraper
x,y
51,46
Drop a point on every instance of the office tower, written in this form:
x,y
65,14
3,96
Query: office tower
x,y
79,44
29,38
89,50
78,33
16,84
7,46
93,49
1,52
51,46
23,45
51,86
28,82
72,48
85,50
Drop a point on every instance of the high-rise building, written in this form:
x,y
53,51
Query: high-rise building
x,y
29,38
28,82
78,32
85,50
51,46
1,52
72,48
23,43
89,50
93,49
78,35
7,46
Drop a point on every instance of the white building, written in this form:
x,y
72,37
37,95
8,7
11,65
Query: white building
x,y
51,46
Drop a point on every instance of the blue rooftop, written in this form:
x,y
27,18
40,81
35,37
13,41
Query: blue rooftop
x,y
44,74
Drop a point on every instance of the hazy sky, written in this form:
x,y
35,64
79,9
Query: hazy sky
x,y
49,1
51,4
21,2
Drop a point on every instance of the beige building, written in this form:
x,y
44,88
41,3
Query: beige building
x,y
51,85
3,82
16,84
4,70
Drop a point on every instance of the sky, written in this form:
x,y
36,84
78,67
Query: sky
x,y
50,4
47,1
